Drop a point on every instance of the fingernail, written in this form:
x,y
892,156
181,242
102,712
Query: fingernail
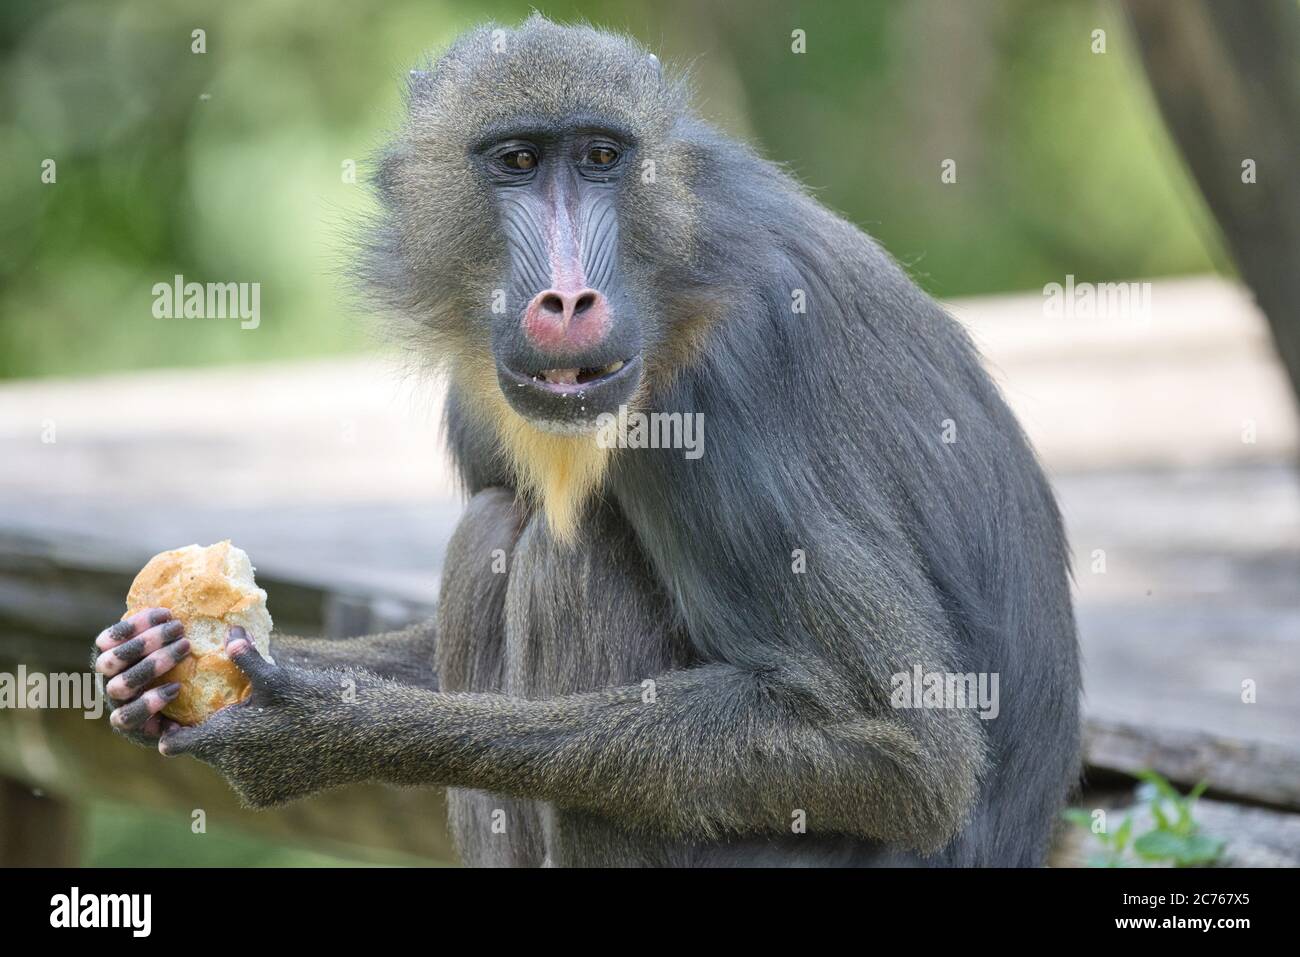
x,y
180,648
159,615
237,633
171,690
173,630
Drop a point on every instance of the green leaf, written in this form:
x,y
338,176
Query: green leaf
x,y
1123,834
1161,845
1158,845
1200,849
1162,822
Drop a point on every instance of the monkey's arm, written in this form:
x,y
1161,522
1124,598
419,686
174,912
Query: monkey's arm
x,y
405,656
719,750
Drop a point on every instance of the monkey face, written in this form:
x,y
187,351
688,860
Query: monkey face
x,y
532,208
568,345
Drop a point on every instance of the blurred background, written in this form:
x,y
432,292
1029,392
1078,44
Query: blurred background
x,y
1092,140
229,164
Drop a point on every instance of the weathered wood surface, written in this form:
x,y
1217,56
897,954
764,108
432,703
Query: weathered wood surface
x,y
1252,770
1200,593
330,474
1171,391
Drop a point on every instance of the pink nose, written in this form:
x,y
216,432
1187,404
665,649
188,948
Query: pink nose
x,y
564,322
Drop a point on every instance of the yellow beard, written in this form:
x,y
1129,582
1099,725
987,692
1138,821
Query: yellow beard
x,y
558,473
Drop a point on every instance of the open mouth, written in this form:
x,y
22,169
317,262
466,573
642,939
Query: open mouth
x,y
571,397
574,377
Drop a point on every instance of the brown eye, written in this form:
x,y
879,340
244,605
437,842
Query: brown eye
x,y
602,156
521,160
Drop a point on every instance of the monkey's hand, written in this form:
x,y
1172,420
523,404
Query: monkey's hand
x,y
131,654
285,741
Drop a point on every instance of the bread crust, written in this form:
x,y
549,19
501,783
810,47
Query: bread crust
x,y
209,590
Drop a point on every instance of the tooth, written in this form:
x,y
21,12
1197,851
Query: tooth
x,y
613,367
560,376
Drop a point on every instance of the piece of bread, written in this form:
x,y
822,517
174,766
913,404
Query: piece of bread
x,y
208,590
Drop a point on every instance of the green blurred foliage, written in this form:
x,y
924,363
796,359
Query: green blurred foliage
x,y
120,835
227,165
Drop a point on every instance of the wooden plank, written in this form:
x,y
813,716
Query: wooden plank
x,y
1123,391
1251,770
56,595
1188,587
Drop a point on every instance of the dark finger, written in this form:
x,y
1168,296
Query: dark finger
x,y
136,649
125,685
239,646
179,739
128,628
143,711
